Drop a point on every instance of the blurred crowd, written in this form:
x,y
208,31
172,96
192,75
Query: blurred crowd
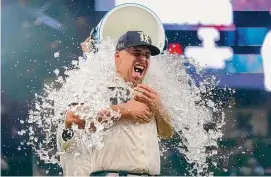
x,y
245,155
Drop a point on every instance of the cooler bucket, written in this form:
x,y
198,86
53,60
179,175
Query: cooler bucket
x,y
130,17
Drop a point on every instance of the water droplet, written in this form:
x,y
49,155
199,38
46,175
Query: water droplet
x,y
56,54
56,71
74,62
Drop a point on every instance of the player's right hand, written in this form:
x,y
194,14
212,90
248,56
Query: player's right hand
x,y
74,119
138,112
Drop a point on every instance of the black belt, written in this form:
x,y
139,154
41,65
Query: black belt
x,y
121,173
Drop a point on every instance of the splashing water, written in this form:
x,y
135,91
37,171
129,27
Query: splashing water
x,y
87,85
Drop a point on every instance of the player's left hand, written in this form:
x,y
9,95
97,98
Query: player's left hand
x,y
84,45
146,94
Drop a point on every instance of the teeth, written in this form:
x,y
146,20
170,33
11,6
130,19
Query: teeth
x,y
139,67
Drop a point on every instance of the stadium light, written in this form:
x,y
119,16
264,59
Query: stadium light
x,y
266,57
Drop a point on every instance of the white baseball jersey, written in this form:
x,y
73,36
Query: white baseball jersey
x,y
127,146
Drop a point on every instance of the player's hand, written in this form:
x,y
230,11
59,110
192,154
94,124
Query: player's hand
x,y
138,111
149,96
85,45
74,119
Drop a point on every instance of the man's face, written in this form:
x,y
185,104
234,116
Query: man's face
x,y
133,63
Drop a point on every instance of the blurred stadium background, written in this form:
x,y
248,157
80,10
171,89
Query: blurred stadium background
x,y
32,31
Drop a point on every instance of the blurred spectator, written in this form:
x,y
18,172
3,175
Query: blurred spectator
x,y
243,123
4,165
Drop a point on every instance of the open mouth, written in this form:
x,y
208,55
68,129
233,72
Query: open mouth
x,y
139,69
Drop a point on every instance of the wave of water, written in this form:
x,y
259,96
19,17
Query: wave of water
x,y
87,83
